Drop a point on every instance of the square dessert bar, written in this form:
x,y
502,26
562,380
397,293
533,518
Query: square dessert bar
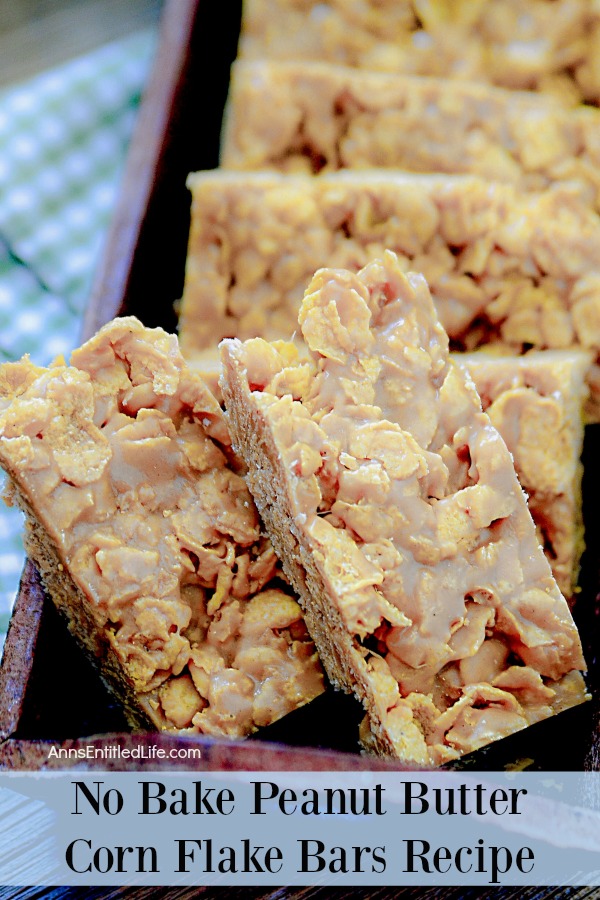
x,y
549,45
395,508
147,538
317,117
536,401
503,267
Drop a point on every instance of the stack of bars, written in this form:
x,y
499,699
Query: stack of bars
x,y
460,136
455,135
392,288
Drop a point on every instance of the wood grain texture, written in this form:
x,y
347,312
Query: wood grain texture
x,y
300,893
19,649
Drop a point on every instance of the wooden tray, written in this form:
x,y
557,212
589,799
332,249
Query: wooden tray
x,y
49,692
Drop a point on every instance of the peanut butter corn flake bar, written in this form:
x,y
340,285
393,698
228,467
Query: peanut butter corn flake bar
x,y
310,118
394,505
550,45
147,537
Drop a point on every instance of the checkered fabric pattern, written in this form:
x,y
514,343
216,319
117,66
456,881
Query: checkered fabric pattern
x,y
63,141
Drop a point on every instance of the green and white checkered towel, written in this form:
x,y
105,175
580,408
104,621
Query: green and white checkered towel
x,y
63,141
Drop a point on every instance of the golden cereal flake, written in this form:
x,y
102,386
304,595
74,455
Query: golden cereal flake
x,y
123,463
437,606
